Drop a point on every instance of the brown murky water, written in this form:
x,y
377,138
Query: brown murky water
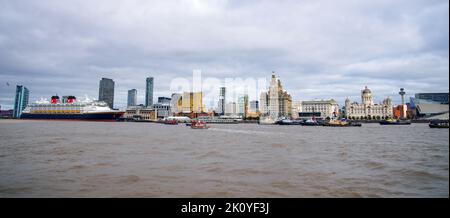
x,y
95,159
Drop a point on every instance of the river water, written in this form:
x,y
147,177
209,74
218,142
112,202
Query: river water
x,y
100,159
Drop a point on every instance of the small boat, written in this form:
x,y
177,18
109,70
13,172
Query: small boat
x,y
342,123
286,121
336,123
395,122
199,125
439,124
310,123
171,122
355,124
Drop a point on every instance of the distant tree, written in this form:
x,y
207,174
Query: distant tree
x,y
378,117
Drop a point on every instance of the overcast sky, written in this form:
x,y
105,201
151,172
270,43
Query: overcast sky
x,y
319,49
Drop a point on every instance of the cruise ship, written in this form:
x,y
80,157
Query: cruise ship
x,y
70,109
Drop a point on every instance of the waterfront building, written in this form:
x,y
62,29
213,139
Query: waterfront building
x,y
162,109
432,111
254,106
21,100
132,98
401,111
276,102
6,114
242,105
149,92
140,113
230,109
222,101
192,102
430,98
367,109
309,115
423,105
106,92
296,108
164,100
321,109
176,104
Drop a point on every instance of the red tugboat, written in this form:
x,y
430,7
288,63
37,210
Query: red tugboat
x,y
199,125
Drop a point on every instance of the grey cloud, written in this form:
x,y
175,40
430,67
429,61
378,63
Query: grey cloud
x,y
321,49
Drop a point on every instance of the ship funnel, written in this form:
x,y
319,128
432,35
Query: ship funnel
x,y
71,99
55,99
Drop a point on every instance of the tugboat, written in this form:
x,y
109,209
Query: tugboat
x,y
286,121
342,123
439,124
336,123
199,125
311,122
391,121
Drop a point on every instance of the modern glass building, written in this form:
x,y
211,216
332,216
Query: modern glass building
x,y
149,92
132,98
243,105
106,91
439,98
21,100
222,101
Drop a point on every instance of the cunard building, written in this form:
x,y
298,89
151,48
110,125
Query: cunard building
x,y
275,103
367,109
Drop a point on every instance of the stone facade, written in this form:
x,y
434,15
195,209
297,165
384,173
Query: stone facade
x,y
326,108
275,103
367,109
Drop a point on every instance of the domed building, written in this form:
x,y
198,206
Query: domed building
x,y
367,109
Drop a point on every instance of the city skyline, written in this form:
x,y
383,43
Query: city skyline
x,y
382,45
395,97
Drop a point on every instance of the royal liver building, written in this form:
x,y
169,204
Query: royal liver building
x,y
276,103
367,109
